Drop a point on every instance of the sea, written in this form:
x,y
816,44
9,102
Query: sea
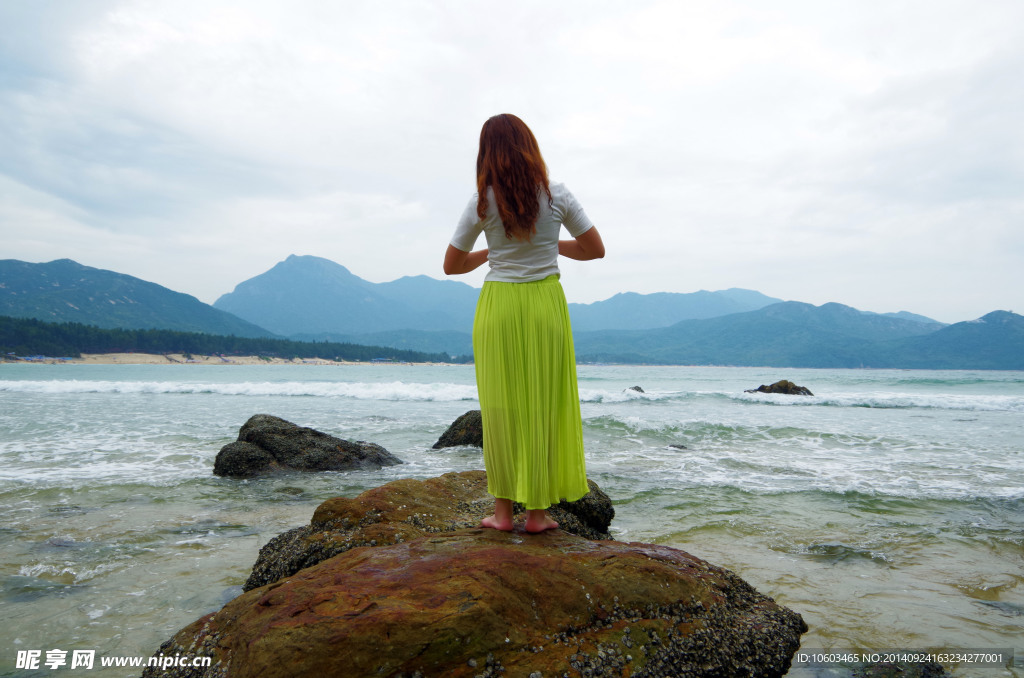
x,y
887,508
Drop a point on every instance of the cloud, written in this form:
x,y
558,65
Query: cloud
x,y
842,152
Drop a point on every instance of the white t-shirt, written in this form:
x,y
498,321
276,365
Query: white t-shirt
x,y
513,260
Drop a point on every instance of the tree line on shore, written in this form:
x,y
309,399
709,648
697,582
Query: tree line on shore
x,y
27,337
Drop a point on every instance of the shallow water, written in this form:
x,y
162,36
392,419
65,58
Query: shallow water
x,y
888,509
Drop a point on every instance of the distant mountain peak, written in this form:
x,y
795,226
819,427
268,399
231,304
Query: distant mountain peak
x,y
310,295
312,262
1001,317
307,258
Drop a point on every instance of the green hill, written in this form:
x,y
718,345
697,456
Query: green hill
x,y
29,337
993,342
66,291
452,343
793,334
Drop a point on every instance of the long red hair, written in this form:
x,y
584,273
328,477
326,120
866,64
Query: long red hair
x,y
510,163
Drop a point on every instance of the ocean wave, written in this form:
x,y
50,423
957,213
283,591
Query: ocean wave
x,y
398,391
594,395
769,459
65,573
682,474
878,400
933,401
392,391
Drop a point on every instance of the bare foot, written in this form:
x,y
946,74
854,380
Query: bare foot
x,y
497,524
539,521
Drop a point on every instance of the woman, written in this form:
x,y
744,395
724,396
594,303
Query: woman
x,y
522,342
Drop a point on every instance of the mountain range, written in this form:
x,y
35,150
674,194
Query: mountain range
x,y
315,298
794,334
66,291
305,298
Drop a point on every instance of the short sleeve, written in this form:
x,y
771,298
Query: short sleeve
x,y
574,218
469,228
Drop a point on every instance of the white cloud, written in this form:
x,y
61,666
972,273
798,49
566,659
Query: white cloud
x,y
814,151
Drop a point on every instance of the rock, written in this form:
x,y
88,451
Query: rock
x,y
636,388
677,446
403,510
901,670
785,387
244,460
268,444
466,430
589,517
478,602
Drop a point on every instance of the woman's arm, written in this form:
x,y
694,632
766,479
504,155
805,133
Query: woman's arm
x,y
457,261
588,245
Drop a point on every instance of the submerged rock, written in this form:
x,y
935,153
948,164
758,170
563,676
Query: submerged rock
x,y
403,510
783,386
268,444
478,602
466,430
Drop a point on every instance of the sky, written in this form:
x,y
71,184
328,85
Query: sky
x,y
866,152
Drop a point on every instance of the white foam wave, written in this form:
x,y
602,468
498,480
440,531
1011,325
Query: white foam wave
x,y
881,400
944,401
398,391
591,395
66,571
393,391
800,465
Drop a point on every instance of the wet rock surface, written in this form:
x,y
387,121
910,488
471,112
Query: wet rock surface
x,y
406,509
267,444
902,670
466,430
784,386
478,602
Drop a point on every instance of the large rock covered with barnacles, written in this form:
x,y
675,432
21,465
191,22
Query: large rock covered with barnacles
x,y
406,509
472,602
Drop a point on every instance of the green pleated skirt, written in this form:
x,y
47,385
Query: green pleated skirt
x,y
529,400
